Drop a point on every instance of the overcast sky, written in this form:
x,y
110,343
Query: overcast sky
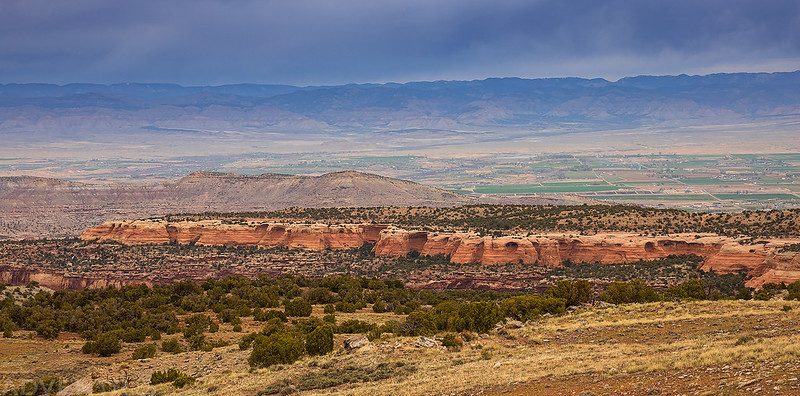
x,y
302,42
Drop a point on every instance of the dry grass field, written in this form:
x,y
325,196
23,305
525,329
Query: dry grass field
x,y
703,347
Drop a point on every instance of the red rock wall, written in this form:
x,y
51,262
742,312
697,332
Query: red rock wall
x,y
309,236
776,268
55,281
721,254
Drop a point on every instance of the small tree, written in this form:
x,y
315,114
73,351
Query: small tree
x,y
635,291
573,292
171,346
794,291
298,307
418,323
278,348
320,341
49,329
744,294
145,352
105,344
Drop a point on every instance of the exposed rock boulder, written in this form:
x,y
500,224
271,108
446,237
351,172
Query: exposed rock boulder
x,y
514,324
425,342
355,342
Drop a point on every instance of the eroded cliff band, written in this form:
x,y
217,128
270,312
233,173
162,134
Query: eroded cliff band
x,y
722,254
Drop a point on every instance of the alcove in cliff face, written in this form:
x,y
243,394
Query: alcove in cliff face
x,y
417,241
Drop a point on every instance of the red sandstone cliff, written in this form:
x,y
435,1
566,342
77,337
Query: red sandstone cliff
x,y
214,232
721,254
57,281
776,268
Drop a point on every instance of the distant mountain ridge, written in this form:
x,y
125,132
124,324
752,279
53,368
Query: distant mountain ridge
x,y
40,207
439,105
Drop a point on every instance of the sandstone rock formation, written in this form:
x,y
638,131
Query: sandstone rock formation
x,y
722,254
776,268
215,232
56,281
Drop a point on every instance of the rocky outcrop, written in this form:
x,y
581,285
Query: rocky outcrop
x,y
722,254
216,232
57,281
355,342
776,268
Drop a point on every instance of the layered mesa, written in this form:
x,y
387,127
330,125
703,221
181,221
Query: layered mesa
x,y
722,254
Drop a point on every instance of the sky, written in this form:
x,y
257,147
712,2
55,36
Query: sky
x,y
326,42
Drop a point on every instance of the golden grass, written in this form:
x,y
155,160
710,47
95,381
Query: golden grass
x,y
557,347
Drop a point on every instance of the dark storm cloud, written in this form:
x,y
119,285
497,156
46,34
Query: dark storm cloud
x,y
326,41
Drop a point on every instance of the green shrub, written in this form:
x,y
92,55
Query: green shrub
x,y
476,316
265,316
378,307
182,381
354,326
237,328
524,308
279,348
763,295
694,289
48,329
134,335
320,341
319,295
418,323
635,291
744,293
298,307
227,315
402,310
171,346
307,325
105,344
794,291
178,379
450,341
196,341
329,309
144,352
352,374
344,306
102,386
281,387
572,292
247,340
